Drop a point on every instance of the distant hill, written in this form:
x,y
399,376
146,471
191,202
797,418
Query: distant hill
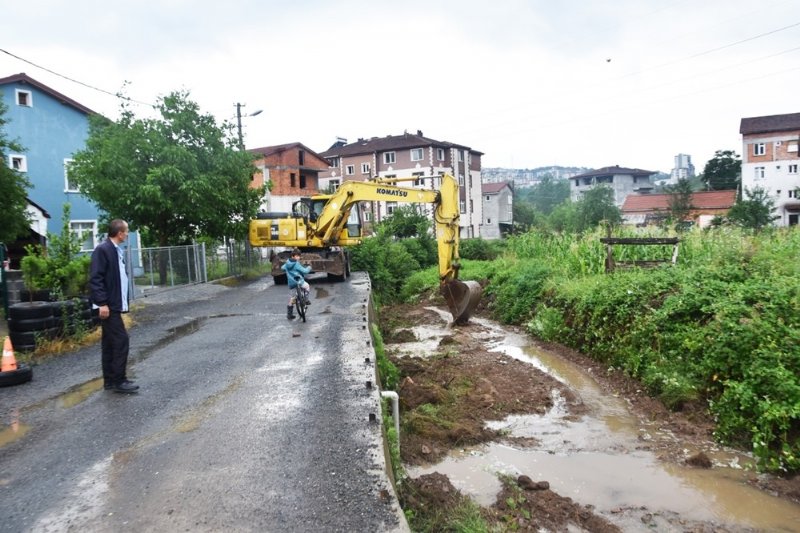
x,y
528,177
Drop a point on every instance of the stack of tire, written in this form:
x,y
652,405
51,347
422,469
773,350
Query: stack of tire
x,y
29,322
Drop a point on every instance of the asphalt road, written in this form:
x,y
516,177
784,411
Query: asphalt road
x,y
245,422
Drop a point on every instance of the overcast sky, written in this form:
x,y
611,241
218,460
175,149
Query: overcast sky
x,y
529,83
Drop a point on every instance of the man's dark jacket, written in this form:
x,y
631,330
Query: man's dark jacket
x,y
104,285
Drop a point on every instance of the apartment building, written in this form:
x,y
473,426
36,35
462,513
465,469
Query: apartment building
x,y
770,160
623,181
683,169
408,156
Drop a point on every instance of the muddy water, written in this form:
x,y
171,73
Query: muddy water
x,y
597,459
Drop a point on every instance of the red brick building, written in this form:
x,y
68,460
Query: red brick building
x,y
293,170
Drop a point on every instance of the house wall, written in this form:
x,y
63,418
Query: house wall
x,y
621,184
497,209
780,175
51,132
290,180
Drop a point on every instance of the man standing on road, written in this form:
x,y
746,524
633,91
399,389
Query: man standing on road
x,y
108,287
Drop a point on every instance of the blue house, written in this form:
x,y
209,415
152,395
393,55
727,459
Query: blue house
x,y
51,127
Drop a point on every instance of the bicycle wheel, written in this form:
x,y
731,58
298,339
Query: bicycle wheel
x,y
300,302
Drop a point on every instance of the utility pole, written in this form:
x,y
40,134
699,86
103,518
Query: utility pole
x,y
239,122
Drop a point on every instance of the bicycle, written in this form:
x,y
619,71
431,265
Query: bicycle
x,y
300,301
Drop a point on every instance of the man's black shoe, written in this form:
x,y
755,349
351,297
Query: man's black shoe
x,y
109,386
126,387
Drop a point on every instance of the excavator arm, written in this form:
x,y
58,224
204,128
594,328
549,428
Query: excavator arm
x,y
462,297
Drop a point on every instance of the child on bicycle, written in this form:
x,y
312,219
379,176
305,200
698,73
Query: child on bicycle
x,y
295,273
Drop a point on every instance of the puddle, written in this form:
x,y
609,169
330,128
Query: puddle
x,y
14,431
79,393
596,460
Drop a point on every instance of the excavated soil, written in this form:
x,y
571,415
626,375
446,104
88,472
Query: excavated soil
x,y
447,399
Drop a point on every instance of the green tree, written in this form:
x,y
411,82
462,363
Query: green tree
x,y
175,178
14,220
524,215
409,225
680,199
723,171
545,195
564,218
754,211
597,205
406,221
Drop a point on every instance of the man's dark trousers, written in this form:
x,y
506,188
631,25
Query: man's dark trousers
x,y
114,345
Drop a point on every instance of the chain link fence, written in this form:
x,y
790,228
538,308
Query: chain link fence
x,y
163,268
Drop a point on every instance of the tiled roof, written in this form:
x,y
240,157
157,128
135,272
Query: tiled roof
x,y
616,170
25,79
494,188
660,202
771,123
388,143
266,151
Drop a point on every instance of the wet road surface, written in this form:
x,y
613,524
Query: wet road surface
x,y
245,422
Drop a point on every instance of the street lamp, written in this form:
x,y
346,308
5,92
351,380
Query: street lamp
x,y
239,121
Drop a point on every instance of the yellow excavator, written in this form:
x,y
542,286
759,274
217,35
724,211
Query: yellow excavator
x,y
325,225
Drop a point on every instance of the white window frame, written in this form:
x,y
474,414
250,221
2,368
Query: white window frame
x,y
462,206
27,95
333,162
792,146
792,169
389,158
461,181
440,154
390,207
335,184
67,186
759,173
417,152
419,178
461,156
350,170
92,230
759,148
365,168
18,162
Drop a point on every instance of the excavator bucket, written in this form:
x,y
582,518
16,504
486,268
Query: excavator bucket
x,y
462,298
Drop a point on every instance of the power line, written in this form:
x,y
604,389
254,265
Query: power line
x,y
116,95
614,81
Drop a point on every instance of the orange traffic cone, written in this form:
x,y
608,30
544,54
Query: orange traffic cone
x,y
9,362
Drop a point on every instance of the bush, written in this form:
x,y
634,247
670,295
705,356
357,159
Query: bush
x,y
721,327
62,268
387,262
480,249
517,289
